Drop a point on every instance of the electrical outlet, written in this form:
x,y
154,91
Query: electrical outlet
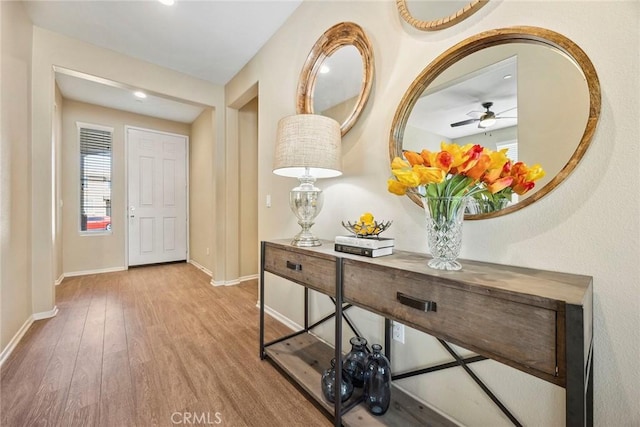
x,y
398,332
207,251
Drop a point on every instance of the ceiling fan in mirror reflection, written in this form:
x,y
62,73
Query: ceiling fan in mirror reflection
x,y
486,118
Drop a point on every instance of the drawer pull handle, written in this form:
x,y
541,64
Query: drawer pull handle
x,y
419,304
294,266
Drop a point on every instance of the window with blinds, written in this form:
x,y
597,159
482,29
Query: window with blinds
x,y
95,177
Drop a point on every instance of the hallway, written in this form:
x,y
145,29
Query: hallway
x,y
150,346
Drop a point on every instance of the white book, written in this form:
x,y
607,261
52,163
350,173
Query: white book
x,y
366,242
355,250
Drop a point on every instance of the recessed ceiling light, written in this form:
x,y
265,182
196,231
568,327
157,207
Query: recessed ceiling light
x,y
167,2
140,94
507,76
324,69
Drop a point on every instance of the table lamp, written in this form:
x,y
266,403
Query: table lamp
x,y
308,146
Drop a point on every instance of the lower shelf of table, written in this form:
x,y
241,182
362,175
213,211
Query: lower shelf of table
x,y
304,358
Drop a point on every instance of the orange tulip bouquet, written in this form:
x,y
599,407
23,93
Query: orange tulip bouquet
x,y
457,171
447,179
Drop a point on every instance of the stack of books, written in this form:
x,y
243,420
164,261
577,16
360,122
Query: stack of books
x,y
365,246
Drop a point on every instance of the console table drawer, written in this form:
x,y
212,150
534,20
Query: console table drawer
x,y
515,333
308,270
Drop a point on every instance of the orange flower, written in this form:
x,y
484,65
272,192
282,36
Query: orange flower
x,y
500,184
481,166
413,158
444,160
468,170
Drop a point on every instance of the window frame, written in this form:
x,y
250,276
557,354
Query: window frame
x,y
91,126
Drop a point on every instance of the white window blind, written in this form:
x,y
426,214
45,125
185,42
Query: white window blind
x,y
95,178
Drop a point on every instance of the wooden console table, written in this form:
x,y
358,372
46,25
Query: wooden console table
x,y
539,322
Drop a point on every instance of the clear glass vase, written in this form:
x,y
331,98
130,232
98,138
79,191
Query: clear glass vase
x,y
444,230
377,381
328,384
354,360
482,206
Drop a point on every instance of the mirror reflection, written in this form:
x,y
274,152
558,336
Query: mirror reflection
x,y
432,10
338,84
537,96
432,15
539,99
337,76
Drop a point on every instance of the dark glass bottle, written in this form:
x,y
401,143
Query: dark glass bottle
x,y
328,383
377,381
354,361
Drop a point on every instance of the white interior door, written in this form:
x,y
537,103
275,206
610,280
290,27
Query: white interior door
x,y
157,189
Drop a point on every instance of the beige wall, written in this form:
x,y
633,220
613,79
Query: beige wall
x,y
105,251
58,271
15,182
201,213
588,225
51,49
248,194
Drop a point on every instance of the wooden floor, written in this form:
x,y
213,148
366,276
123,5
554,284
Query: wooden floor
x,y
150,346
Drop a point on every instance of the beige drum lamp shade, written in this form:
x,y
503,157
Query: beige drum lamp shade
x,y
308,141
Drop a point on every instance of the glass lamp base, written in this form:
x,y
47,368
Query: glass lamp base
x,y
306,241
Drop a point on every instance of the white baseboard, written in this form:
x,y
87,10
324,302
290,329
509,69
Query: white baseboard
x,y
234,281
15,340
428,405
201,267
60,279
250,277
6,352
280,318
98,271
45,314
225,282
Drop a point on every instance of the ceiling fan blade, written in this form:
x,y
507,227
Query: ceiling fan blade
x,y
464,122
509,109
505,117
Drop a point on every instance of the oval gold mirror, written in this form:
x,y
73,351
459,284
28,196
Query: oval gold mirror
x,y
541,86
431,15
337,76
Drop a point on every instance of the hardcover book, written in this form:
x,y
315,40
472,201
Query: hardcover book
x,y
365,242
371,253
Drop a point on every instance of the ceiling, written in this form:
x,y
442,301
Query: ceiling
x,y
210,40
461,99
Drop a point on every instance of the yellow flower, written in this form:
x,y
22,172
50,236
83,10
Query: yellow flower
x,y
428,175
407,177
366,218
535,172
396,187
398,163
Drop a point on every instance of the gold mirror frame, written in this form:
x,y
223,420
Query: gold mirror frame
x,y
485,40
340,35
444,22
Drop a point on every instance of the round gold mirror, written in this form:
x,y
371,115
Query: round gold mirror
x,y
431,15
541,87
337,76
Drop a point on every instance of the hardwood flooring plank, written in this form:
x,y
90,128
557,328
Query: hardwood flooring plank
x,y
136,347
84,390
86,416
